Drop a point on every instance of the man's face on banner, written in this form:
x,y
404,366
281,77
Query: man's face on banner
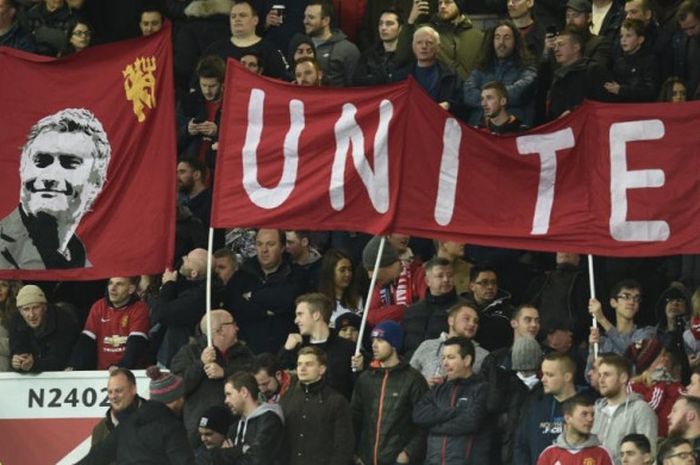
x,y
56,173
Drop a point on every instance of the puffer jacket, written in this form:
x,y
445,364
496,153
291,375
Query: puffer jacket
x,y
382,406
454,413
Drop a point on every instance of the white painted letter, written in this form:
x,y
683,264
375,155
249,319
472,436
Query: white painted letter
x,y
265,197
546,146
348,132
621,180
449,171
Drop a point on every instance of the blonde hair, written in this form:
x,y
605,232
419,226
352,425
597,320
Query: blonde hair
x,y
695,301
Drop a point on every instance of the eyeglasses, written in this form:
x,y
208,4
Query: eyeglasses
x,y
82,33
681,455
486,282
628,297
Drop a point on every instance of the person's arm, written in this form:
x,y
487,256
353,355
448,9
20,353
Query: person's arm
x,y
415,446
466,417
262,449
137,341
522,91
84,356
60,346
184,309
103,452
189,366
428,413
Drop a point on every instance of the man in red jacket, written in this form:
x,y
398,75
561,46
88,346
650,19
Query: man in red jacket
x,y
576,445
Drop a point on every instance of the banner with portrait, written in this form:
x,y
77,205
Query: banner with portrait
x,y
87,161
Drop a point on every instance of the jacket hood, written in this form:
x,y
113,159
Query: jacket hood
x,y
632,397
336,36
265,407
297,40
591,441
152,411
660,308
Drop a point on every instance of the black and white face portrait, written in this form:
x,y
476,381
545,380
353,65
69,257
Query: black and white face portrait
x,y
64,165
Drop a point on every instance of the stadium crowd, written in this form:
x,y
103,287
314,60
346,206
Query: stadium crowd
x,y
473,355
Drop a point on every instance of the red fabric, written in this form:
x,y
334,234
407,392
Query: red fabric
x,y
409,288
660,397
130,228
495,179
350,14
111,327
555,455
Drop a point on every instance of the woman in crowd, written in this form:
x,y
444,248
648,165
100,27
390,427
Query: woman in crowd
x,y
337,280
673,90
8,307
79,37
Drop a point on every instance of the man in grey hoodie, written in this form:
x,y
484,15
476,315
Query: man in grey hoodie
x,y
337,56
619,413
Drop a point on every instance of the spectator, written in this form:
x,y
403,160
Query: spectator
x,y
190,234
635,72
691,336
428,318
348,326
313,312
676,451
79,37
504,58
317,419
369,35
48,22
308,73
525,323
685,47
494,103
542,418
150,20
299,248
454,412
259,436
463,322
281,26
116,330
494,308
225,267
180,304
253,62
397,286
459,41
618,412
301,46
42,339
338,282
684,420
606,18
654,379
440,81
383,401
576,444
576,77
635,450
8,311
273,381
199,114
454,252
205,367
123,402
673,314
531,31
336,55
192,184
597,48
12,33
244,40
673,90
158,421
266,289
377,63
213,428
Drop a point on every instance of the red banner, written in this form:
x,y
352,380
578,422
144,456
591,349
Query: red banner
x,y
617,180
87,156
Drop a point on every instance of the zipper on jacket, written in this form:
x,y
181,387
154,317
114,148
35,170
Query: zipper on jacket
x,y
453,396
379,417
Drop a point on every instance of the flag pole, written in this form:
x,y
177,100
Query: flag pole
x,y
591,283
210,245
372,284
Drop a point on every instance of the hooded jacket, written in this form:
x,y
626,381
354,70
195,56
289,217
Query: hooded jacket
x,y
563,453
338,58
426,319
632,416
541,422
428,357
258,439
494,321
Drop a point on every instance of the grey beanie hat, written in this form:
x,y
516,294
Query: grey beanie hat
x,y
526,355
369,254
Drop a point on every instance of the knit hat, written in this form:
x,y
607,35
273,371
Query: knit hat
x,y
462,5
391,332
582,6
643,353
30,294
164,387
348,319
217,418
371,250
526,355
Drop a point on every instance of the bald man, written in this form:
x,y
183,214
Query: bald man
x,y
204,368
180,303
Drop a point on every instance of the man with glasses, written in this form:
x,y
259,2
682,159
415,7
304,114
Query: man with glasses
x,y
684,421
493,306
205,367
676,451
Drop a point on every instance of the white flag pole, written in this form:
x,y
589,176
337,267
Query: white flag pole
x,y
591,283
210,245
372,284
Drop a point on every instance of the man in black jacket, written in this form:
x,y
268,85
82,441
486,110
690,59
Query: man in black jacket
x,y
454,412
258,436
317,418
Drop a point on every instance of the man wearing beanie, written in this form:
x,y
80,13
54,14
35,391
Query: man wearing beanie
x,y
398,285
460,41
383,401
154,434
43,338
213,427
